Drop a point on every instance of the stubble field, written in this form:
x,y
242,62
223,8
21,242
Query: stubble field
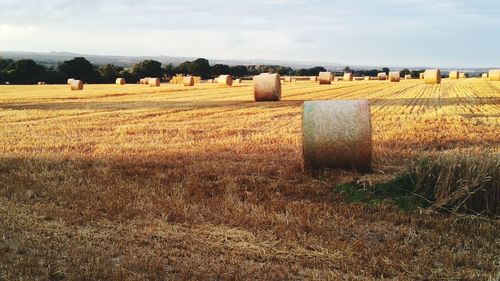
x,y
131,182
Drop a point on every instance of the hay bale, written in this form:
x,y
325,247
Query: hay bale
x,y
394,76
454,74
463,75
313,79
494,75
348,76
41,83
367,78
337,134
7,83
154,82
407,77
267,87
226,80
484,75
382,76
422,76
197,79
120,81
325,78
188,81
432,76
69,81
76,85
288,79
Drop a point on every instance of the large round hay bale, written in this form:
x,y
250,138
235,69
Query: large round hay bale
x,y
226,80
382,76
188,81
394,76
422,76
325,77
267,87
69,81
76,85
454,74
337,134
432,76
407,77
494,74
348,77
120,81
484,75
154,82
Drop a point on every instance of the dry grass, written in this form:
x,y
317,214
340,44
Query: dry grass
x,y
131,183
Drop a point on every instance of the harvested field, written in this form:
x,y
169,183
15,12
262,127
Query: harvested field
x,y
131,182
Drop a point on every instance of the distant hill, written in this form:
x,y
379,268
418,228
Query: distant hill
x,y
55,58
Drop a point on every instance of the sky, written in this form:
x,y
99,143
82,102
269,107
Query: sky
x,y
433,33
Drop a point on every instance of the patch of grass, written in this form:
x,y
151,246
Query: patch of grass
x,y
400,191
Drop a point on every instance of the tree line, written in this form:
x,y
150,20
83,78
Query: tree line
x,y
27,71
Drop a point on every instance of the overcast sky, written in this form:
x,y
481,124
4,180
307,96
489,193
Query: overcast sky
x,y
364,32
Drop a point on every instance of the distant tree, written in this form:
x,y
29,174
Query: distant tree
x,y
170,70
4,63
25,71
200,67
79,68
239,71
53,76
416,73
347,69
147,68
220,69
110,72
404,72
386,70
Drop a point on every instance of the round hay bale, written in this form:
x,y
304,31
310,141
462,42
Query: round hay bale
x,y
70,80
463,75
76,85
337,134
348,76
484,75
41,83
454,74
267,87
313,79
422,76
407,77
154,82
382,76
120,81
432,76
239,81
394,76
288,79
7,83
226,80
188,81
325,77
494,75
367,78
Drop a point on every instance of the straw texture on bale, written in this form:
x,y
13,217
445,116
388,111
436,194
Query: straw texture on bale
x,y
432,76
407,77
188,81
325,78
454,74
197,79
394,76
337,134
267,87
348,77
120,81
494,75
422,76
154,82
76,85
226,80
484,75
382,76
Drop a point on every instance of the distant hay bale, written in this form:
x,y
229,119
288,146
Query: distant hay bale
x,y
226,80
154,82
288,79
7,83
120,81
394,76
177,79
367,78
382,76
463,75
76,85
407,77
188,81
216,80
70,80
454,74
325,77
267,87
313,78
484,75
348,76
432,76
337,134
422,76
41,83
197,79
238,81
494,75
